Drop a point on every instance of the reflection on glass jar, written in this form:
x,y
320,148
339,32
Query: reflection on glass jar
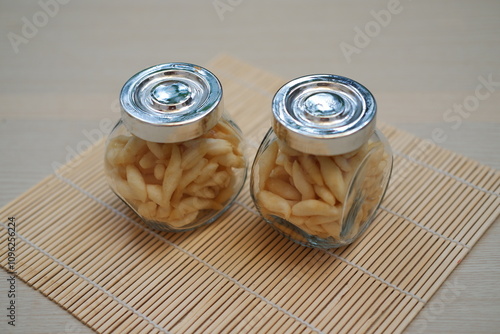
x,y
175,157
319,175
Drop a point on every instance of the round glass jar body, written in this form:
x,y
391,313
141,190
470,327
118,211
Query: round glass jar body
x,y
322,201
181,185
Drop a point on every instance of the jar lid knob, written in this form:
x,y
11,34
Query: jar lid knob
x,y
170,94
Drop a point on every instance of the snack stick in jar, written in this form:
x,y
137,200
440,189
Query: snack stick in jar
x,y
120,140
148,160
221,179
186,219
114,148
155,194
283,160
194,187
190,175
274,203
228,136
205,192
266,163
218,179
332,175
372,197
320,220
310,166
191,204
194,151
118,171
371,200
342,163
230,160
136,182
371,182
355,161
163,212
301,183
283,189
159,171
135,146
376,167
316,230
157,150
333,229
225,194
313,207
207,172
325,194
123,188
280,173
112,154
287,150
172,175
147,209
298,221
238,146
216,147
383,163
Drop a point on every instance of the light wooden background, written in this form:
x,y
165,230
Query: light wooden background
x,y
426,57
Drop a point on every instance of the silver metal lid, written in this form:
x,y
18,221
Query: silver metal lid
x,y
171,102
324,114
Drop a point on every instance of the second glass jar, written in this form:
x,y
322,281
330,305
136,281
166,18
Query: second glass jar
x,y
322,169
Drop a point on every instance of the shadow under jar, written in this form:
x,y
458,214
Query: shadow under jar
x,y
322,170
175,157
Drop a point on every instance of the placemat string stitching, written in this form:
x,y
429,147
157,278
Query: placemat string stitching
x,y
376,277
421,163
424,227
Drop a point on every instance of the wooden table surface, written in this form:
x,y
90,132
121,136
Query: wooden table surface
x,y
434,67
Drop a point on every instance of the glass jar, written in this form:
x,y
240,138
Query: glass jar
x,y
322,170
175,157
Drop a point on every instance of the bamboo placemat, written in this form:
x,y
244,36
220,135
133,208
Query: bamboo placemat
x,y
84,249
